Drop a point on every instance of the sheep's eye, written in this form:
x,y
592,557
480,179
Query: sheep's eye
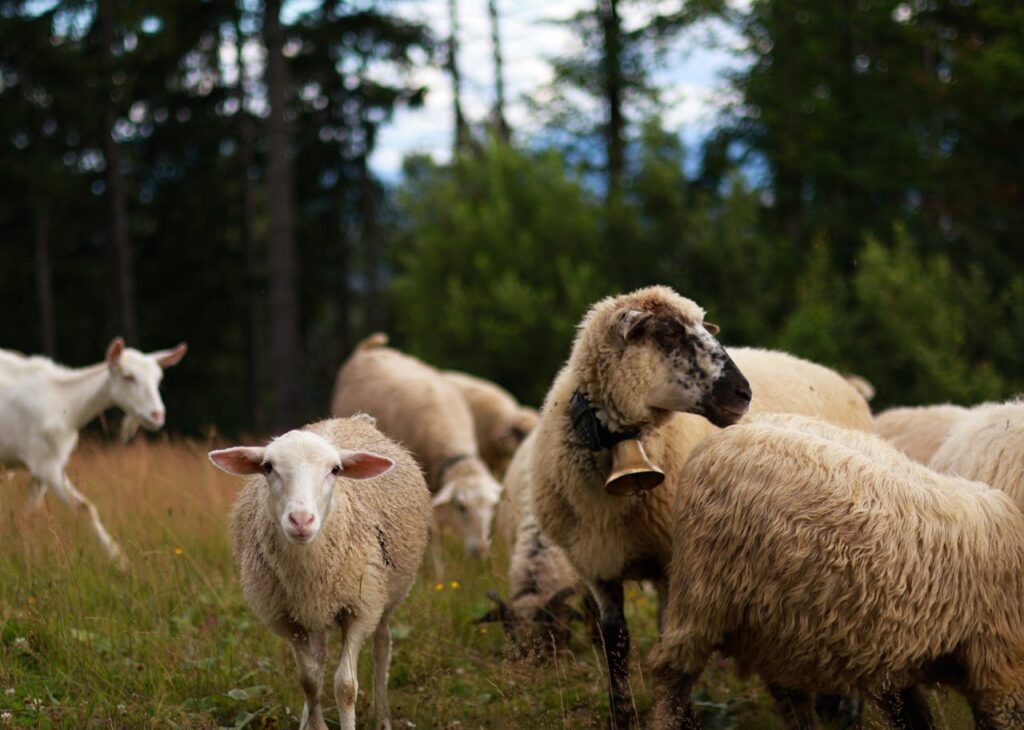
x,y
129,378
336,470
267,467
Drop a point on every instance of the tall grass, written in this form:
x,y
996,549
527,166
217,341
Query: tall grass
x,y
172,644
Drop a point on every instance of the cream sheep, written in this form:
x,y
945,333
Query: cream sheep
x,y
499,421
918,431
827,561
637,360
44,405
987,444
414,405
316,549
540,579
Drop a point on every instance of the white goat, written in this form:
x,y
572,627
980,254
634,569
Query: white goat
x,y
43,405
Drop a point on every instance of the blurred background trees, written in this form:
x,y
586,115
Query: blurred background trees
x,y
200,171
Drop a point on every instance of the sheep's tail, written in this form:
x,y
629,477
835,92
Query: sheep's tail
x,y
377,339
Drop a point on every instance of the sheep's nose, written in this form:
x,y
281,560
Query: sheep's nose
x,y
301,520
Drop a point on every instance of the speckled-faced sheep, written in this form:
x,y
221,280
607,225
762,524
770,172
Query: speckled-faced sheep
x,y
637,362
501,423
43,406
316,549
536,616
416,406
827,561
918,431
987,445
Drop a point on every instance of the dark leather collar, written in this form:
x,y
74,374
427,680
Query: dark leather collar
x,y
588,427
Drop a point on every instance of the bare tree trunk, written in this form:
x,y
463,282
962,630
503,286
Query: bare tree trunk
x,y
500,122
461,128
255,280
611,28
119,253
371,237
282,255
44,284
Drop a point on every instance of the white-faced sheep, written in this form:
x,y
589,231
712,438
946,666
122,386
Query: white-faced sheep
x,y
317,550
827,561
501,423
637,361
918,431
43,406
414,405
536,616
987,445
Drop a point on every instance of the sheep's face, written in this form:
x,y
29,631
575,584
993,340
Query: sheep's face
x,y
534,626
301,470
471,501
135,383
678,365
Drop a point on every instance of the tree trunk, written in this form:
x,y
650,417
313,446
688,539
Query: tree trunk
x,y
255,281
371,238
44,284
500,122
611,29
461,128
282,257
121,302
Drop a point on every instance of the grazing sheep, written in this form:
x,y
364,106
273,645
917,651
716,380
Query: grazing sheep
x,y
987,445
638,360
414,405
918,431
317,550
43,406
827,561
540,579
500,422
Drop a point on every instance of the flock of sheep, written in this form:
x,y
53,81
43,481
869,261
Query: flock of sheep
x,y
831,552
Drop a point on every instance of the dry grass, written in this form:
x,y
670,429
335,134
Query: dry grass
x,y
171,643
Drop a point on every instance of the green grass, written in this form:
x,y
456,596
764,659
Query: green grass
x,y
172,643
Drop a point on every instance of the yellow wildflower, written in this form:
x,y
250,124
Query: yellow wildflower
x,y
179,551
439,587
454,584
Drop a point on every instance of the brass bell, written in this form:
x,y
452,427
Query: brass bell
x,y
632,471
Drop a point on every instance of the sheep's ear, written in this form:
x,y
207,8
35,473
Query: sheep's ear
x,y
241,460
712,328
501,613
114,351
362,464
166,358
631,322
444,495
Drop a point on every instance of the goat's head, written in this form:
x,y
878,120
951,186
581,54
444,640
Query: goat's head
x,y
301,472
135,383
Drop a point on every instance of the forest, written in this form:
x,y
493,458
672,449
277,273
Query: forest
x,y
198,171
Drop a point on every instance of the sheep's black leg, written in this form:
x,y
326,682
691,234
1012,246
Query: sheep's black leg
x,y
673,709
907,709
615,635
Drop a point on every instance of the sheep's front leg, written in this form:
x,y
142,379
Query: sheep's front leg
x,y
381,662
346,679
615,636
58,481
309,650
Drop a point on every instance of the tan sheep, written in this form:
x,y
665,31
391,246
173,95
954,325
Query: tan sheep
x,y
500,422
637,360
536,616
414,405
987,444
827,561
316,550
919,430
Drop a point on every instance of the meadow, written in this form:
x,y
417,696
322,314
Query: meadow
x,y
171,643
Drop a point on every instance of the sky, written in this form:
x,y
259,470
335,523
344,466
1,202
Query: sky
x,y
691,77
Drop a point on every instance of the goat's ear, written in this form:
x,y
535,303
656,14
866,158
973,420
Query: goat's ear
x,y
712,328
129,426
362,464
114,351
444,495
630,323
241,460
167,358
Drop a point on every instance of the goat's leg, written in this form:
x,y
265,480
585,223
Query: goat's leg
x,y
35,498
615,638
346,679
58,481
